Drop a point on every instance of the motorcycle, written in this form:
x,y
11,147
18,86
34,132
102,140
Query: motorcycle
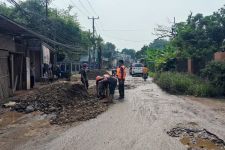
x,y
145,76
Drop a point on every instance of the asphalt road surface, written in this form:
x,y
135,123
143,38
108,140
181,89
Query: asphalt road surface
x,y
140,122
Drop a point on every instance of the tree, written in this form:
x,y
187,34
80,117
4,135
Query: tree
x,y
200,36
160,59
108,50
60,25
157,44
130,52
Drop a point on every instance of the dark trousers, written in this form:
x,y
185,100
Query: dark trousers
x,y
31,81
85,82
112,85
121,88
102,88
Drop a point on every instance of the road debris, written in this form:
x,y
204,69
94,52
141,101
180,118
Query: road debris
x,y
67,103
197,139
9,104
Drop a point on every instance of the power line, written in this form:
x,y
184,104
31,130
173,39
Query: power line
x,y
121,30
78,8
25,13
126,40
93,10
84,7
90,5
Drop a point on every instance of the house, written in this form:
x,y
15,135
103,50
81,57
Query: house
x,y
19,48
70,64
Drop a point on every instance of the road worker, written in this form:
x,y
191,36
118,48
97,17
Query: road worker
x,y
84,76
105,86
121,75
145,72
98,79
112,80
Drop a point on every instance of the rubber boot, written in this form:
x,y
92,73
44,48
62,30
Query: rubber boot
x,y
110,98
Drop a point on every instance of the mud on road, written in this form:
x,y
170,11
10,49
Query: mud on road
x,y
141,122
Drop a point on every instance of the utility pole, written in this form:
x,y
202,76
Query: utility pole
x,y
174,27
93,27
46,8
89,49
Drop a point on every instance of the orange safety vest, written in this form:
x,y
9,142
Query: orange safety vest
x,y
145,70
118,73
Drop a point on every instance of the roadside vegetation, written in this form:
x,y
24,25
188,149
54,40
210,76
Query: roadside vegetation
x,y
196,39
185,84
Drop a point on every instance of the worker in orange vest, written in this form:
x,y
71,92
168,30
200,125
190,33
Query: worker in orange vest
x,y
145,72
121,75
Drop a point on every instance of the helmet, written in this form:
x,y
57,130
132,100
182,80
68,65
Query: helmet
x,y
98,78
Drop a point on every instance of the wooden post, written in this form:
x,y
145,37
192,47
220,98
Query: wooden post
x,y
190,69
12,70
21,73
28,72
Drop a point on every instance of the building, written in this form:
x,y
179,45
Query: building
x,y
19,49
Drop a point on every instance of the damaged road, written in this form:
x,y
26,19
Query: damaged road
x,y
66,102
148,119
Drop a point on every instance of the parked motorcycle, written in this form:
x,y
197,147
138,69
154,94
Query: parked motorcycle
x,y
145,77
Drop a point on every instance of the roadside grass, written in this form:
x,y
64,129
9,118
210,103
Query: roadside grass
x,y
186,84
152,74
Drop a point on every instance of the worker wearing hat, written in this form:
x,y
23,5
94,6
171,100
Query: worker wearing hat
x,y
84,76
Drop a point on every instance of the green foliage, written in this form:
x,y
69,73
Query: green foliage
x,y
60,25
157,44
130,52
161,58
200,36
152,74
179,83
108,50
215,73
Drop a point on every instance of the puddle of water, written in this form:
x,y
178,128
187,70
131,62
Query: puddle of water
x,y
9,118
200,143
196,138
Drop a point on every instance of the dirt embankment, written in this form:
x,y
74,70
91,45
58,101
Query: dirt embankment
x,y
66,102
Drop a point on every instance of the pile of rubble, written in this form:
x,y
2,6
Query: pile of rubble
x,y
66,102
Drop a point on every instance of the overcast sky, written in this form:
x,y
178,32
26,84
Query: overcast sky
x,y
130,23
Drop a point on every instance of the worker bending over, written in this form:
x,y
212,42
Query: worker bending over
x,y
103,83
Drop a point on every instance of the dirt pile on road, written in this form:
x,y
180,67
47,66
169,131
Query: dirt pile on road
x,y
65,101
92,74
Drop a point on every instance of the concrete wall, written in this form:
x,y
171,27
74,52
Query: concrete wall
x,y
219,56
7,43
